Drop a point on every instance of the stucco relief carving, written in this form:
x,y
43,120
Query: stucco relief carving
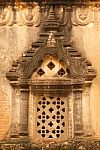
x,y
31,15
85,15
82,15
22,16
6,16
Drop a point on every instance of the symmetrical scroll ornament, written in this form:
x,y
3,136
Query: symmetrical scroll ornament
x,y
29,16
6,16
82,15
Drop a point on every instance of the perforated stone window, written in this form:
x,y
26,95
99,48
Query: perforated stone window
x,y
51,65
40,72
61,72
51,117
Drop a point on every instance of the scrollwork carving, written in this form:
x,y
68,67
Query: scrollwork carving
x,y
29,16
6,16
82,15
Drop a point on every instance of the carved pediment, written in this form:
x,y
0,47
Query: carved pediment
x,y
53,44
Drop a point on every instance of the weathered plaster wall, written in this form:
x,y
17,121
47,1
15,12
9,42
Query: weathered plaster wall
x,y
14,41
87,41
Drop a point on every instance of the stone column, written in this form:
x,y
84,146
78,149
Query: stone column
x,y
86,109
78,127
15,116
70,116
24,112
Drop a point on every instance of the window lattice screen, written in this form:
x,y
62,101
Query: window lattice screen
x,y
51,117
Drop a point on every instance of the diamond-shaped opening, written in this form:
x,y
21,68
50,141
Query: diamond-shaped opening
x,y
40,72
61,72
51,65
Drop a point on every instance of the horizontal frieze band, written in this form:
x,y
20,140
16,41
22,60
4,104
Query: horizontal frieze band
x,y
32,14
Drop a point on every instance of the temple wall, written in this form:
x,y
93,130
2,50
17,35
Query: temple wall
x,y
88,42
15,39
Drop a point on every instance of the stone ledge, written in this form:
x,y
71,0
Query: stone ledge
x,y
73,145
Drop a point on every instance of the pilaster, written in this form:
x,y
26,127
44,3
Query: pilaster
x,y
78,126
24,112
86,110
